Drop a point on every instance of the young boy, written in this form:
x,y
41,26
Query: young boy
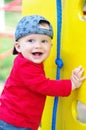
x,y
23,98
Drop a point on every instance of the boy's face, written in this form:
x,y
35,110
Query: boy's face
x,y
35,47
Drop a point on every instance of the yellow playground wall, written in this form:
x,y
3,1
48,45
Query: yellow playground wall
x,y
73,52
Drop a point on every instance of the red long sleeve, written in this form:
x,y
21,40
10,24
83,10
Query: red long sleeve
x,y
24,95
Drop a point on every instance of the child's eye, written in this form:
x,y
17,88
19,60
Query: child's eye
x,y
30,40
44,41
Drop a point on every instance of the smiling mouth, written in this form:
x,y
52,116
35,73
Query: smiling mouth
x,y
37,53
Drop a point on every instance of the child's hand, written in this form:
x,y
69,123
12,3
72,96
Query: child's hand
x,y
77,77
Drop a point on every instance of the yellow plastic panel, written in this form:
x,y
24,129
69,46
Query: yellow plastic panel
x,y
73,53
46,8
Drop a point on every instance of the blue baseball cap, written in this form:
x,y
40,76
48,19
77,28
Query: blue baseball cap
x,y
30,25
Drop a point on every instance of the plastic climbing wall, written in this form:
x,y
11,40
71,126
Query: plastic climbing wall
x,y
71,110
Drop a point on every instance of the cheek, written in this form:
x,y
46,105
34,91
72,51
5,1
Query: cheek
x,y
48,50
24,47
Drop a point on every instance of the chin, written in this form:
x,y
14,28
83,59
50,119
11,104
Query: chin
x,y
37,61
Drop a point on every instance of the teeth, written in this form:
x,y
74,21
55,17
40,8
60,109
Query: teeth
x,y
37,53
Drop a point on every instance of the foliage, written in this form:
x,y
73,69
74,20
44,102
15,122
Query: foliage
x,y
6,1
11,19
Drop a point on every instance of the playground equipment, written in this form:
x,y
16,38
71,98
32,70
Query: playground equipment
x,y
71,110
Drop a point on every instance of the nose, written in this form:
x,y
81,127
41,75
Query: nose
x,y
37,45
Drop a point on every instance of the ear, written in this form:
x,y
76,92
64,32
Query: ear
x,y
17,46
51,44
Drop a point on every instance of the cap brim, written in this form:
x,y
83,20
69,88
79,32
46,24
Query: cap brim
x,y
15,51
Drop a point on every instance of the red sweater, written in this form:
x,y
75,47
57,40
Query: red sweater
x,y
23,98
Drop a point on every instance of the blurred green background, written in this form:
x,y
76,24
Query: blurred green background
x,y
11,19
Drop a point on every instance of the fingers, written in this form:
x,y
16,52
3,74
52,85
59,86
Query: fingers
x,y
75,82
82,78
77,77
78,71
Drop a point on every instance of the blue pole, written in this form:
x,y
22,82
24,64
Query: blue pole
x,y
58,60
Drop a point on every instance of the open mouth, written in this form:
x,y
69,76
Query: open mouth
x,y
37,53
